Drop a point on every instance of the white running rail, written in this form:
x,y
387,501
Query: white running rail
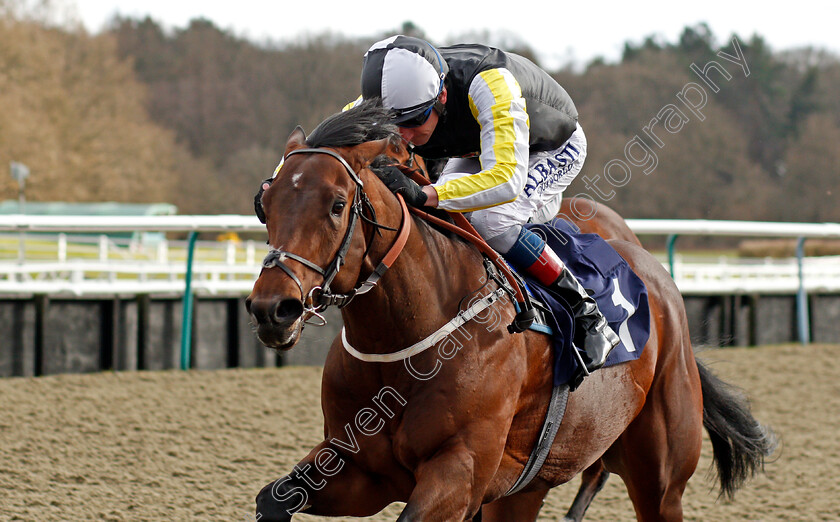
x,y
63,265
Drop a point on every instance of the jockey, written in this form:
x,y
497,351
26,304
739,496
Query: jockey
x,y
513,142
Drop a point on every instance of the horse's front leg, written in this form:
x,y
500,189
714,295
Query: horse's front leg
x,y
449,487
326,483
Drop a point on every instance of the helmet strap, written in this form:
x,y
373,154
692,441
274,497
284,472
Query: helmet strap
x,y
439,105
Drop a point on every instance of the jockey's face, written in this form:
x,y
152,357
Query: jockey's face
x,y
420,135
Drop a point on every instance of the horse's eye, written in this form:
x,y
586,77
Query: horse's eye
x,y
338,207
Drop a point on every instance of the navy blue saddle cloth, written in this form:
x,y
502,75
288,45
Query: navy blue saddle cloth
x,y
620,294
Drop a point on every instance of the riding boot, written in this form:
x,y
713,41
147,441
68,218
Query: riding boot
x,y
593,333
531,254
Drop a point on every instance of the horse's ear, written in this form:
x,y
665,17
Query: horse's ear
x,y
362,155
297,140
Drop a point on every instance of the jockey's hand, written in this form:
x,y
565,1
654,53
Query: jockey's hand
x,y
399,183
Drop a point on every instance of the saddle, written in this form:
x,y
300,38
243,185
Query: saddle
x,y
620,293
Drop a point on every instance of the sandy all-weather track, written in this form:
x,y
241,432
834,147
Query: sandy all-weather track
x,y
200,445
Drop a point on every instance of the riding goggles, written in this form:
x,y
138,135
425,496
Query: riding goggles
x,y
418,120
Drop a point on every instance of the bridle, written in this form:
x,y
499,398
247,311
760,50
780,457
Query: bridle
x,y
320,297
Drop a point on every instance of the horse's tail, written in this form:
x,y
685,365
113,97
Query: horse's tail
x,y
739,442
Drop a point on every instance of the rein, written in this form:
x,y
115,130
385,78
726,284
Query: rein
x,y
526,313
464,228
320,297
322,294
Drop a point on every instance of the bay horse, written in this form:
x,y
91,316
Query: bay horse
x,y
450,429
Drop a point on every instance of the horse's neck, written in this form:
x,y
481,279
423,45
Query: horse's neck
x,y
420,292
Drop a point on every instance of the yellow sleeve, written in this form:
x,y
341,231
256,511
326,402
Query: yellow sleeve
x,y
498,106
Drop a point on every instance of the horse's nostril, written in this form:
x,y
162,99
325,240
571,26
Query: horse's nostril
x,y
288,311
248,305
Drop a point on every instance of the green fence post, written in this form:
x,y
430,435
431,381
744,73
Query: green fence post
x,y
187,309
672,238
802,295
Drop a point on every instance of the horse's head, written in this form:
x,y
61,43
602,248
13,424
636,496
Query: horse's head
x,y
312,208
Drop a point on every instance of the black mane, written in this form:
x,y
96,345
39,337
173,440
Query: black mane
x,y
368,121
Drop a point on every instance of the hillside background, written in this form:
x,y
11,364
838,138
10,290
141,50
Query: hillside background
x,y
197,116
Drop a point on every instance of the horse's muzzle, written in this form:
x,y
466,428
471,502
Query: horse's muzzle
x,y
278,322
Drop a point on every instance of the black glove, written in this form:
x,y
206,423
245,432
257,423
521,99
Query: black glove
x,y
399,183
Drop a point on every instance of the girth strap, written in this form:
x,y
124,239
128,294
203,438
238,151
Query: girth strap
x,y
553,418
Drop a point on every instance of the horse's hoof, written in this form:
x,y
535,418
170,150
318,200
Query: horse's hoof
x,y
272,505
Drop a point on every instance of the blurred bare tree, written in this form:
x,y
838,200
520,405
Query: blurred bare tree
x,y
197,116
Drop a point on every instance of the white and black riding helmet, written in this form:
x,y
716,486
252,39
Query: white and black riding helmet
x,y
407,73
